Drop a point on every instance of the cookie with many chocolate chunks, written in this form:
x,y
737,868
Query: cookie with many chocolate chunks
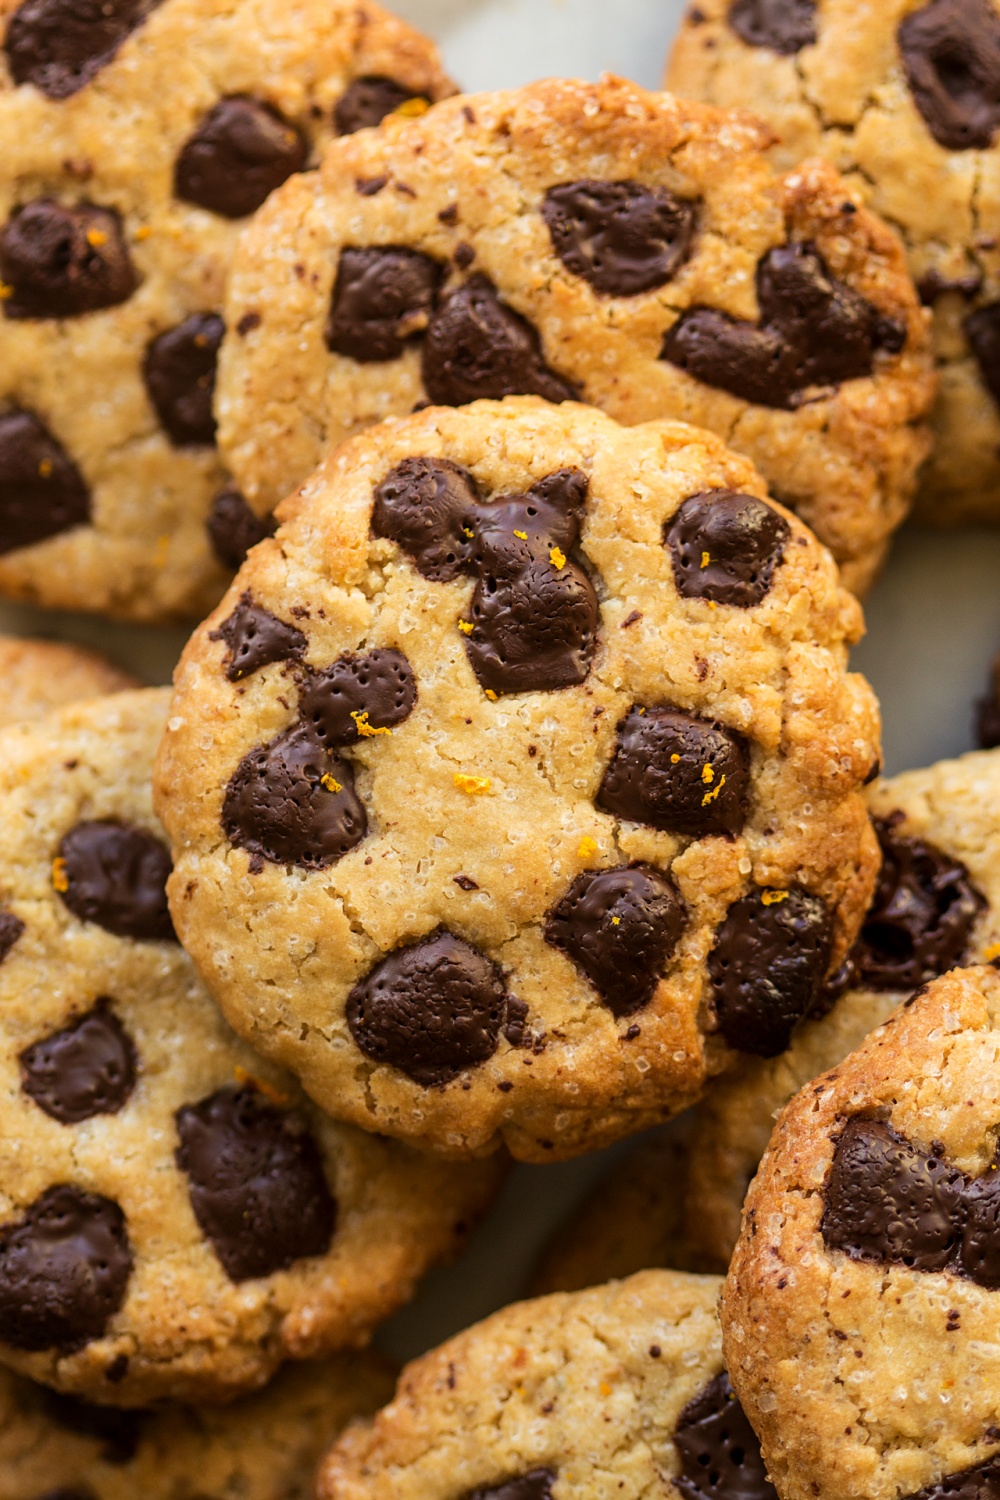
x,y
510,780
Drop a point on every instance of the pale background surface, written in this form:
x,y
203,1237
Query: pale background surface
x,y
934,619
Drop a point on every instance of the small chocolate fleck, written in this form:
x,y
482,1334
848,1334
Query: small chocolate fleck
x,y
370,187
233,528
951,55
62,262
241,151
42,492
449,215
785,26
622,237
115,874
465,882
60,45
179,371
247,323
718,1449
11,928
361,695
725,547
366,101
88,1068
479,348
676,772
382,299
254,638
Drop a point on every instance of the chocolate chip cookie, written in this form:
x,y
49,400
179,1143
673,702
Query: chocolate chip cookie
x,y
615,1391
138,136
175,1219
39,676
904,98
590,242
523,768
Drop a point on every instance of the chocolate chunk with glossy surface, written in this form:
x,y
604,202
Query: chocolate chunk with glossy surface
x,y
537,1485
725,547
60,45
718,1449
784,26
366,102
622,237
676,772
477,348
257,1185
42,492
256,638
64,1270
360,696
982,1482
233,528
427,507
115,874
951,55
179,371
88,1068
239,154
382,298
11,928
982,329
62,262
432,1009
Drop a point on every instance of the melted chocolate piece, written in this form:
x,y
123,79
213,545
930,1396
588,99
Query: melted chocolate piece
x,y
767,968
951,54
427,507
382,299
622,237
257,1185
366,101
921,916
786,26
537,1485
814,331
118,1431
239,154
478,348
61,262
233,528
432,1009
11,928
620,927
115,874
725,546
179,371
64,1269
256,638
60,45
88,1068
676,772
982,1482
42,492
982,329
718,1449
979,1257
359,696
292,803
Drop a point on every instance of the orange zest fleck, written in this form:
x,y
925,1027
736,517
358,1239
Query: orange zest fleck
x,y
96,238
60,879
616,921
491,695
331,783
707,775
588,847
705,559
772,898
5,291
244,1077
992,952
675,759
143,232
45,468
522,536
472,786
468,531
466,627
605,1388
711,796
365,730
412,109
557,557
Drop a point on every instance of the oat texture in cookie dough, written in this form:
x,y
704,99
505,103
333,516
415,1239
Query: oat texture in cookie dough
x,y
175,1219
515,785
615,1392
591,241
39,676
263,1447
903,96
138,136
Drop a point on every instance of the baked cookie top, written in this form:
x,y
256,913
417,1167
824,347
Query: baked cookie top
x,y
175,1219
524,769
138,137
37,677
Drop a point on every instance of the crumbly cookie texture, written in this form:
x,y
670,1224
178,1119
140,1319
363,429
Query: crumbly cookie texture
x,y
263,1447
175,1219
138,137
678,1200
37,677
492,810
901,97
591,240
860,1312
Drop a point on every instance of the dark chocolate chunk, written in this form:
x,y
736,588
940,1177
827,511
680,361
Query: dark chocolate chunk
x,y
979,1257
359,696
11,928
951,54
426,506
88,1068
726,546
933,284
61,262
622,237
432,1009
718,1449
621,928
982,329
239,154
478,348
366,101
233,528
383,297
64,1268
537,1485
292,803
115,874
988,720
257,1185
179,371
784,26
255,638
118,1431
982,1482
60,45
679,773
42,492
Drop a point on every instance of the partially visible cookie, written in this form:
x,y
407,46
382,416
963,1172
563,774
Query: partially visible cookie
x,y
39,676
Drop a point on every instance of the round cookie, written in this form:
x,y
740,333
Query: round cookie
x,y
524,769
903,97
264,1447
615,1392
138,137
37,677
175,1219
591,241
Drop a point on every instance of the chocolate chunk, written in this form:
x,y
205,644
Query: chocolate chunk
x,y
979,1256
982,329
718,1449
537,1485
257,1185
292,803
11,928
725,546
366,101
921,916
64,1268
60,45
239,154
61,262
622,237
115,874
988,720
179,371
432,1010
426,506
951,54
814,331
478,348
785,26
979,1483
621,928
255,638
118,1431
233,528
359,696
679,773
88,1068
933,284
42,492
383,298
